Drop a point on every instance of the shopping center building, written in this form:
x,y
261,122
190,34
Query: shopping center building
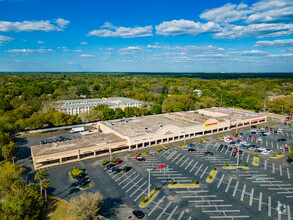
x,y
140,132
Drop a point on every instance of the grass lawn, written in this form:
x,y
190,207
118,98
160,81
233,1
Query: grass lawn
x,y
255,161
234,167
213,175
57,210
187,185
278,156
152,196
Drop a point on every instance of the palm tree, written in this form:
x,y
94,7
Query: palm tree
x,y
45,184
40,175
6,151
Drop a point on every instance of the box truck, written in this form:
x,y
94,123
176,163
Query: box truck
x,y
77,129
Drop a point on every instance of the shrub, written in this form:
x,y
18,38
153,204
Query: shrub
x,y
75,172
155,188
274,154
210,176
226,164
105,162
172,181
143,200
245,164
214,167
280,153
233,133
159,149
256,155
195,181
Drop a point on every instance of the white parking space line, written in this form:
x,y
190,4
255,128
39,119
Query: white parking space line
x,y
216,206
155,207
230,217
124,175
139,196
172,213
201,201
247,159
235,188
139,188
279,211
126,179
243,191
166,174
180,159
273,168
134,185
171,155
198,169
288,173
188,164
176,157
130,181
228,185
251,197
281,173
289,212
181,215
265,165
220,182
205,211
164,210
204,172
260,201
269,206
201,196
184,162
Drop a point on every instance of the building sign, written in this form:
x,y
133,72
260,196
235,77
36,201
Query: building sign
x,y
121,145
211,124
135,140
168,132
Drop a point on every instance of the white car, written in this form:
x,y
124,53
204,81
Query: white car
x,y
259,139
268,133
280,130
262,148
243,142
264,152
269,150
281,147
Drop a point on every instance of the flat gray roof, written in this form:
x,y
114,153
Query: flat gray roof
x,y
85,142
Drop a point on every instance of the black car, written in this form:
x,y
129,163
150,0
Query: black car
x,y
286,148
226,147
43,142
253,126
140,159
137,213
258,151
109,166
126,169
234,153
220,148
84,183
208,153
115,169
81,175
240,152
191,149
282,139
232,142
230,148
82,179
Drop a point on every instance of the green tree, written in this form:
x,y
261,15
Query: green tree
x,y
40,175
156,109
172,181
119,113
85,206
45,184
195,181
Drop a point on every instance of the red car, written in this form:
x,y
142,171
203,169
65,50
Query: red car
x,y
137,156
254,138
118,161
161,166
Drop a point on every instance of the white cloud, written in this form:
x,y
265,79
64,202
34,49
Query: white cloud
x,y
226,14
255,30
86,56
275,43
68,50
271,11
40,42
108,30
83,43
56,25
254,53
5,39
289,55
190,48
183,27
130,50
28,51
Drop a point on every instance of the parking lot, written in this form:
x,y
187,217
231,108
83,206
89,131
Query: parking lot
x,y
261,192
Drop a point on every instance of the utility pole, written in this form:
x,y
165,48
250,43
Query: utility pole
x,y
149,188
237,156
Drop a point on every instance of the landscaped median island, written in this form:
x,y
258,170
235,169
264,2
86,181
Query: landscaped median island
x,y
81,177
75,172
234,167
145,200
212,175
255,160
163,148
277,156
183,185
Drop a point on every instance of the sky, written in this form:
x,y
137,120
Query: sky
x,y
146,36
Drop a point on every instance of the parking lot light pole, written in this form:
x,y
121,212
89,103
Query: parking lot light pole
x,y
149,188
237,156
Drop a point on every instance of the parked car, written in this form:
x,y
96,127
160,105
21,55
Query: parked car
x,y
240,152
220,148
254,138
140,158
230,148
236,135
84,183
208,153
280,130
226,147
253,126
115,169
137,213
161,166
118,161
82,179
282,139
281,147
191,149
269,150
126,169
259,139
234,153
239,169
109,166
81,175
286,148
